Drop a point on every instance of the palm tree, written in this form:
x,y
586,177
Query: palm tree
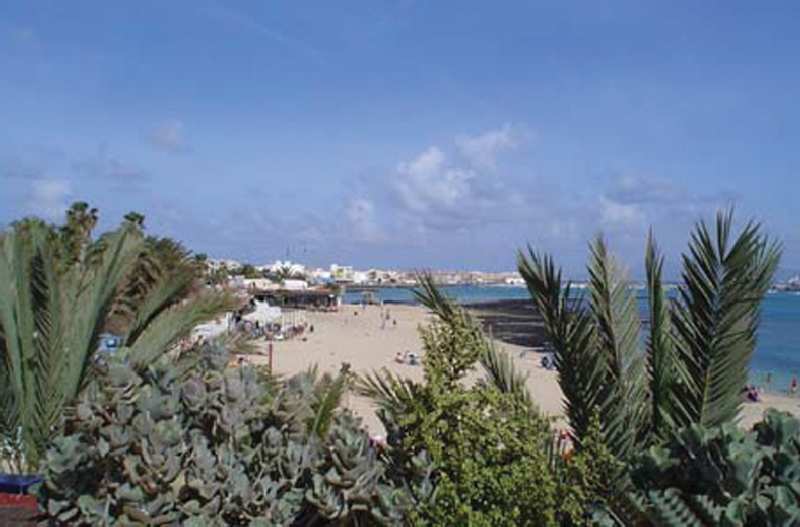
x,y
76,231
52,311
695,360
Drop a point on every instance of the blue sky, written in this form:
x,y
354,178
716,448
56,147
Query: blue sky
x,y
406,134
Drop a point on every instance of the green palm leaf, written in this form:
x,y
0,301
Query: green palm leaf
x,y
717,317
661,361
175,323
57,293
570,331
614,310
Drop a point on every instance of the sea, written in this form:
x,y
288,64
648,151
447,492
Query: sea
x,y
777,355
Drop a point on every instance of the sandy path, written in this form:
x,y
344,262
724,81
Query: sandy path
x,y
355,336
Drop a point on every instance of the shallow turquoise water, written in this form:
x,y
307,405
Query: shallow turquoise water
x,y
778,350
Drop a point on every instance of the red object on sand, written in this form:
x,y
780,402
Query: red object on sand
x,y
22,501
18,509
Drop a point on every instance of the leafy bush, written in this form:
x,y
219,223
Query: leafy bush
x,y
493,452
213,446
724,475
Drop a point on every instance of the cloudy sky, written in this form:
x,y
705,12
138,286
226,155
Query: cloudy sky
x,y
404,133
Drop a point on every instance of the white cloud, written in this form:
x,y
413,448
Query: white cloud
x,y
482,150
615,213
429,183
456,189
360,215
169,136
49,198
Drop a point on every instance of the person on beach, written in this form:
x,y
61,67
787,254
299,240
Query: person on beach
x,y
793,385
752,393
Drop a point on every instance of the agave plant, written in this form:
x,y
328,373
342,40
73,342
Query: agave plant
x,y
694,362
56,298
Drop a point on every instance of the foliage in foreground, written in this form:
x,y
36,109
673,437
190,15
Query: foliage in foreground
x,y
495,459
59,290
723,475
695,361
216,446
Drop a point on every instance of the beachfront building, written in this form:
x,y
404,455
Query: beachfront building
x,y
342,274
287,269
320,276
215,264
296,294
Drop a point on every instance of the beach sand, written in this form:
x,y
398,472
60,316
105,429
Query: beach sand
x,y
355,335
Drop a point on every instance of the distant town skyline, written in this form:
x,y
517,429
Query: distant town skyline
x,y
405,134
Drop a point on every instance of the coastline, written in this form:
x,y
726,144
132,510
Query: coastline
x,y
356,335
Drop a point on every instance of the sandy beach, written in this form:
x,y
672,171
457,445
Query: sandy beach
x,y
356,336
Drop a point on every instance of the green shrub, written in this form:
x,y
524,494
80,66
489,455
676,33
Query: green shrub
x,y
493,452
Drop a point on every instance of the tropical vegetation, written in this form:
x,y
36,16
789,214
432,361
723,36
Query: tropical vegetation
x,y
60,289
158,434
195,443
693,365
495,456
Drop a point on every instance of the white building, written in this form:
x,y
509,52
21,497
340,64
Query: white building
x,y
320,275
295,285
215,264
293,269
342,273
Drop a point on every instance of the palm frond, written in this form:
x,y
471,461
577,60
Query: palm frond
x,y
166,291
503,375
430,296
616,318
390,393
329,398
569,329
724,282
93,287
177,322
661,361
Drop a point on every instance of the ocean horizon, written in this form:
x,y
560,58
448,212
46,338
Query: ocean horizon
x,y
777,350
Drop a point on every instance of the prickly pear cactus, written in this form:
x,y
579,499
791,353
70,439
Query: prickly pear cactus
x,y
210,446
